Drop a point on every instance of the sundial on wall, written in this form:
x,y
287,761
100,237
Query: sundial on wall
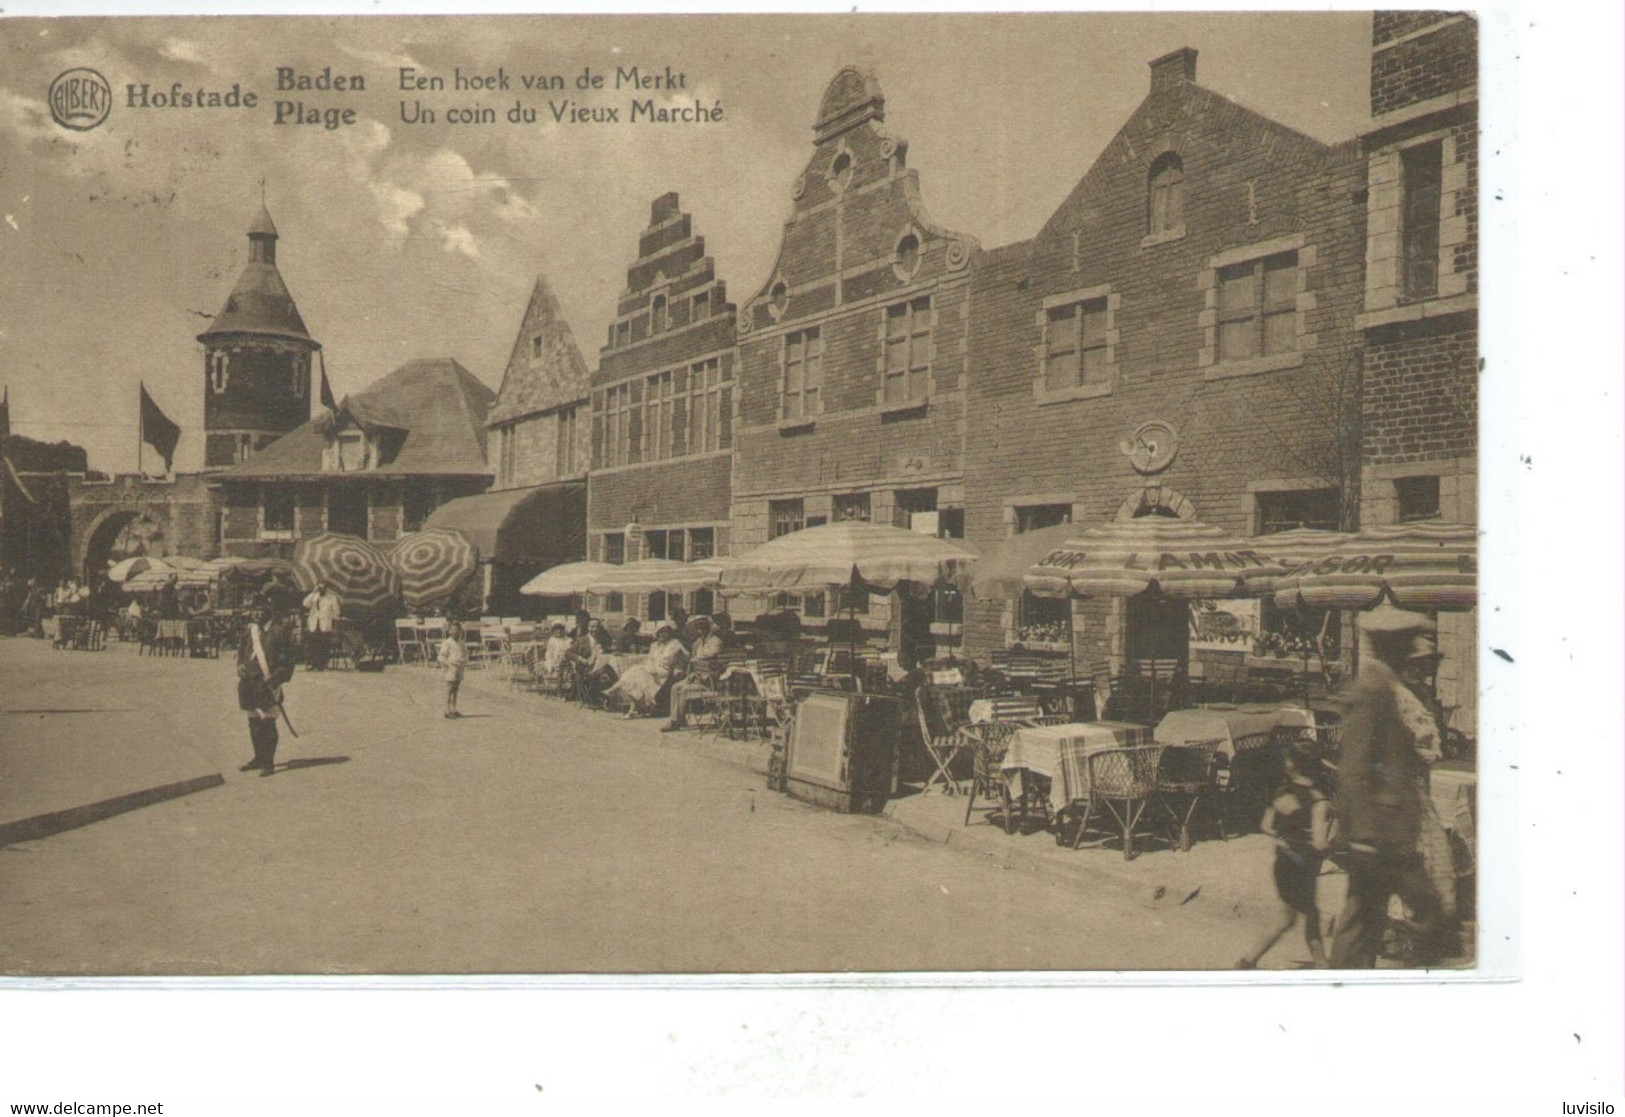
x,y
1151,448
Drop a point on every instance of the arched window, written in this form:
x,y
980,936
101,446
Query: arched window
x,y
1166,209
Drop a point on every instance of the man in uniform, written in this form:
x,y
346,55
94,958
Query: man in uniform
x,y
265,661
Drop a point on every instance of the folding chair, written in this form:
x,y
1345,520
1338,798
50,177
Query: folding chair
x,y
944,717
408,648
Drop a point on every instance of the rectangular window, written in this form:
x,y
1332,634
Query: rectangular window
x,y
654,543
417,502
618,426
658,320
701,543
803,373
710,408
852,506
347,510
912,503
701,306
1312,508
623,333
1031,517
614,548
1258,304
1075,345
674,544
614,603
785,516
565,458
908,352
658,400
1418,498
281,504
1422,174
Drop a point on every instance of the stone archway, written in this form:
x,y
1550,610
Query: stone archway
x,y
120,533
1156,500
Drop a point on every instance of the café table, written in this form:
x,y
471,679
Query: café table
x,y
1060,754
1226,724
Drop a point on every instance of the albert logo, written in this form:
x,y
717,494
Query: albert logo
x,y
80,99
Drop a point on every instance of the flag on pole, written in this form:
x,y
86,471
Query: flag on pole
x,y
158,430
327,389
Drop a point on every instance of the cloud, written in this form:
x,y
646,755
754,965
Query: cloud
x,y
182,50
396,207
457,238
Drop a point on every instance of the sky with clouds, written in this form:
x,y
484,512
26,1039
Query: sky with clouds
x,y
411,240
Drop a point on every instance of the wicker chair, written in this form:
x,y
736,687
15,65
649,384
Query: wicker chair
x,y
1186,784
1122,783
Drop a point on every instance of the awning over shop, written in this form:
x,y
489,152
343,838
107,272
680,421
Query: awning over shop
x,y
543,525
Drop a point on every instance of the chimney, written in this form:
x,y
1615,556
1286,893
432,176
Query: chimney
x,y
1173,68
664,209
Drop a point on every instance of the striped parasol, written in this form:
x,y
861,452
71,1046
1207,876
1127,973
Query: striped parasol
x,y
654,575
125,569
351,567
1421,566
840,554
568,579
1290,549
1002,569
1183,559
433,564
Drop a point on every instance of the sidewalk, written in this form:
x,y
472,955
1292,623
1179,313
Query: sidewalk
x,y
1230,877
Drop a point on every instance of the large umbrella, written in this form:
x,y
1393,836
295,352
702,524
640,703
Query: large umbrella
x,y
432,564
1183,559
1424,566
851,552
1002,569
350,566
125,569
1289,550
653,575
568,579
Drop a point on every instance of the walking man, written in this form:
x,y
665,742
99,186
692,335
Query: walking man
x,y
322,612
1382,775
265,661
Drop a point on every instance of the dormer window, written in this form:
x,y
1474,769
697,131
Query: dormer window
x,y
538,345
348,451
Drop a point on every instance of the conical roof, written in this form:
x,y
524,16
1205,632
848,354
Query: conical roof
x,y
546,369
260,303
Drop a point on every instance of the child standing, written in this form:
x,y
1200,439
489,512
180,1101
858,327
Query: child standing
x,y
1299,819
453,658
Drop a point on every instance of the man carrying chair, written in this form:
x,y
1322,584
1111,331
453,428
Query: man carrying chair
x,y
265,661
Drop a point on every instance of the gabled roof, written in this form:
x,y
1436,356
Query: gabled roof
x,y
1201,109
555,376
439,405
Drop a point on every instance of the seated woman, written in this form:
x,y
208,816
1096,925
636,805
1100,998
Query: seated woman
x,y
640,684
705,665
590,657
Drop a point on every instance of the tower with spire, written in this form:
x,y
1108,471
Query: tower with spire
x,y
257,359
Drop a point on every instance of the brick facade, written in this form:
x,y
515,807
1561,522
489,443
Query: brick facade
x,y
1420,389
664,398
1253,190
853,356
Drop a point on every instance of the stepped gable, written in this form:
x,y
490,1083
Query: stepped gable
x,y
546,369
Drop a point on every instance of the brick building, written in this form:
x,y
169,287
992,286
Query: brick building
x,y
664,411
376,468
1177,340
853,355
535,515
1420,312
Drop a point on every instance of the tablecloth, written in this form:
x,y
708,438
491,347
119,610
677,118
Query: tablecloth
x,y
1061,753
1225,724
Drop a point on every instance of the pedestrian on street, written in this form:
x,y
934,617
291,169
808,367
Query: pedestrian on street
x,y
322,619
169,602
453,659
1299,818
1381,766
265,662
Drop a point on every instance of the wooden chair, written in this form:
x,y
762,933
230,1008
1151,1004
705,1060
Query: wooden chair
x,y
1122,783
408,647
944,719
1185,784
